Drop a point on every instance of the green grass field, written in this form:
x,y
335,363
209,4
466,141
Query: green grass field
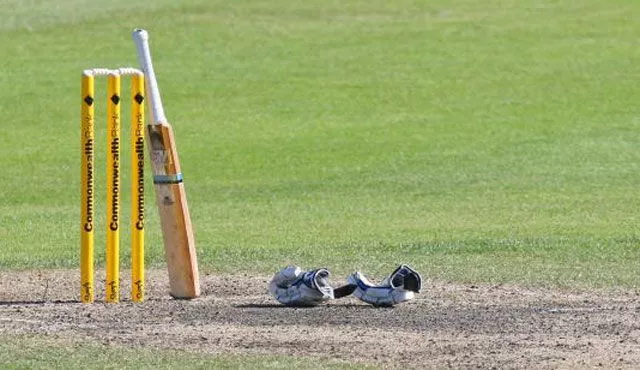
x,y
479,141
28,352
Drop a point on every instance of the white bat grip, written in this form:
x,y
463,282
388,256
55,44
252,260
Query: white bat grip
x,y
141,38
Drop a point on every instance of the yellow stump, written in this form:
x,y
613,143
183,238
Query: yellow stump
x,y
87,138
137,187
112,284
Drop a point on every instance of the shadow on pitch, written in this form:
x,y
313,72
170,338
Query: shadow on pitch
x,y
36,302
350,306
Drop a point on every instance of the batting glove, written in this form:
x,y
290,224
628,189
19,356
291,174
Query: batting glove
x,y
398,287
293,287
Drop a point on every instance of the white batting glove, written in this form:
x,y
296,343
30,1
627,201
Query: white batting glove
x,y
292,286
398,287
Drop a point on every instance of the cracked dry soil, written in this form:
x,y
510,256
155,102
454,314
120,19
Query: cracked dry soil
x,y
446,326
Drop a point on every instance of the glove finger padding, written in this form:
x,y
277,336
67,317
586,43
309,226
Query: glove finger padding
x,y
398,287
292,286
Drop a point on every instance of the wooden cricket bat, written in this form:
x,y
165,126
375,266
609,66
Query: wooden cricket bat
x,y
177,232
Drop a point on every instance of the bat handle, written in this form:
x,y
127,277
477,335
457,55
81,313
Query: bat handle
x,y
141,38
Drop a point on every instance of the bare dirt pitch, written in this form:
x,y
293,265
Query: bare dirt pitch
x,y
446,326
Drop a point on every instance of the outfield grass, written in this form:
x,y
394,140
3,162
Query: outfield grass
x,y
488,141
30,352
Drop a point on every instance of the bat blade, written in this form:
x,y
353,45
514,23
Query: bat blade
x,y
171,199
